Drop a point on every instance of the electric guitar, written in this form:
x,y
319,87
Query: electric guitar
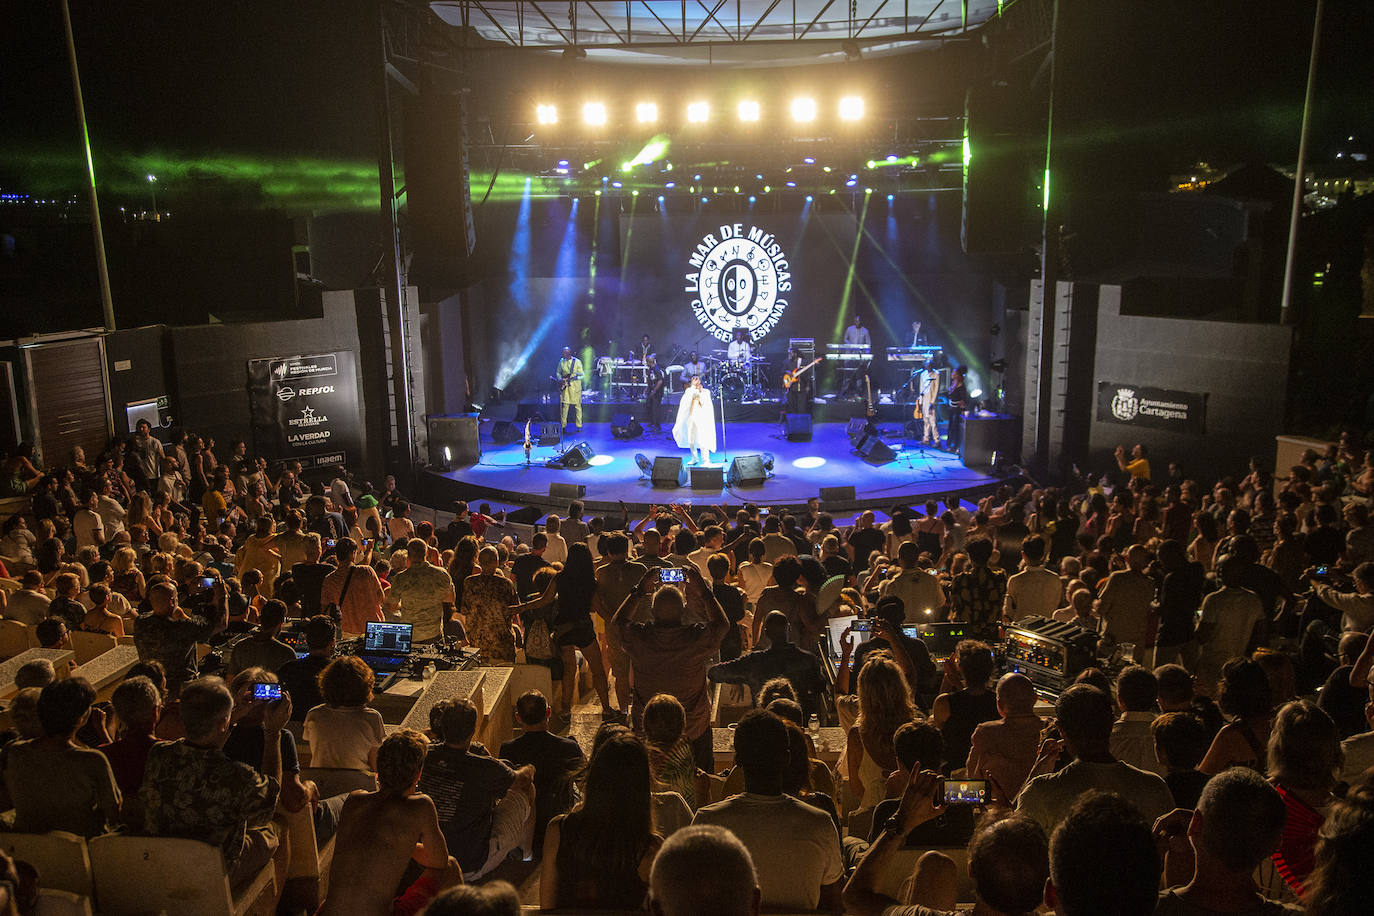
x,y
868,398
788,378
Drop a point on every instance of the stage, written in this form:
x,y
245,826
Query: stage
x,y
800,470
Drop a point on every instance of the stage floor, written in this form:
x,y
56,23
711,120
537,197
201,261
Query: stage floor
x,y
800,470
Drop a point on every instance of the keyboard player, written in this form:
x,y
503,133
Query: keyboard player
x,y
852,375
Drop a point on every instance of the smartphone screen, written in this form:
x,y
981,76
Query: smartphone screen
x,y
330,543
966,791
1322,570
862,626
207,582
671,574
267,691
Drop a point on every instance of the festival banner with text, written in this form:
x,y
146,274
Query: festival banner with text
x,y
305,408
1157,408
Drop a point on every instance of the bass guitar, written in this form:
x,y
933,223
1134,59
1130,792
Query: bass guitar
x,y
788,378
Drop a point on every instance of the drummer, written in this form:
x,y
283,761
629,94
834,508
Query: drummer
x,y
693,367
740,349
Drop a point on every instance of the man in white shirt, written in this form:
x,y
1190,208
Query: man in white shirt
x,y
919,591
712,540
28,605
557,549
795,847
1034,591
740,348
856,333
1132,740
1357,607
1126,601
1084,718
1228,618
86,523
111,512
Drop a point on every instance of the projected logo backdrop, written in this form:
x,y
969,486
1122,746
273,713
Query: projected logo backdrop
x,y
738,278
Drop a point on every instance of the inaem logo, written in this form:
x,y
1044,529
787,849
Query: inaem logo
x,y
737,279
1125,405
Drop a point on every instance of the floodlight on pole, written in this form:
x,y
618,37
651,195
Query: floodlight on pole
x,y
804,109
594,114
851,108
547,114
748,110
646,113
698,112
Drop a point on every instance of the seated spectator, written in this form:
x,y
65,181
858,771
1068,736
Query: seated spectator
x,y
671,761
1304,761
100,619
1180,740
1342,701
783,659
1342,882
704,869
495,898
1132,741
53,783
168,634
1175,688
793,844
191,789
301,677
958,712
37,673
53,633
670,809
486,809
384,834
556,760
309,576
137,706
1236,825
1244,697
1084,720
1008,863
1079,611
64,606
885,705
28,605
1004,750
598,856
244,745
920,746
1079,885
344,732
262,648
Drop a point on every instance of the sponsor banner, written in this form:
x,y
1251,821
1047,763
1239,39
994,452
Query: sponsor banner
x,y
305,408
1157,408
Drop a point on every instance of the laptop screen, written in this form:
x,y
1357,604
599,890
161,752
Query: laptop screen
x,y
295,638
387,637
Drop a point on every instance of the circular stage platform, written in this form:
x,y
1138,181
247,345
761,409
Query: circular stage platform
x,y
800,469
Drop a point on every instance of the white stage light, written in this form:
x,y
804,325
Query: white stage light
x,y
548,114
594,114
698,112
646,113
851,108
804,109
748,111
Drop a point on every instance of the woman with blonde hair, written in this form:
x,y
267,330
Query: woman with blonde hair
x,y
128,581
885,704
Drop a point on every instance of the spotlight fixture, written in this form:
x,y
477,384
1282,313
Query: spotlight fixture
x,y
749,111
547,114
698,112
851,108
803,109
594,114
646,113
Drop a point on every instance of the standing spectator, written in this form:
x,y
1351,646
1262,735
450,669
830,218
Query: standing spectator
x,y
168,634
731,601
1178,597
1126,605
670,655
1035,591
978,594
864,541
1357,607
556,760
191,789
615,581
755,574
301,678
260,552
420,592
147,455
309,576
781,659
556,550
485,808
1227,622
919,591
802,612
354,589
573,528
526,565
489,602
794,845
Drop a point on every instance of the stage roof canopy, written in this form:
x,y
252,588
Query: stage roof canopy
x,y
746,33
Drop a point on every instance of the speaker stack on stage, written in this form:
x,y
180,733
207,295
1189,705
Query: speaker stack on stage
x,y
668,472
624,426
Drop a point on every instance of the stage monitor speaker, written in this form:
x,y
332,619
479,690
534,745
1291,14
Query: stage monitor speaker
x,y
567,491
550,433
747,471
856,428
875,451
798,427
578,458
831,496
459,436
624,426
668,471
526,516
506,432
708,479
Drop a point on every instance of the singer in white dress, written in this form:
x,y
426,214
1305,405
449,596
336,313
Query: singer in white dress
x,y
695,429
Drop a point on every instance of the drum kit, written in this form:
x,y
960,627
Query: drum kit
x,y
741,379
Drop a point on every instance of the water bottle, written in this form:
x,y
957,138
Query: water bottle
x,y
813,725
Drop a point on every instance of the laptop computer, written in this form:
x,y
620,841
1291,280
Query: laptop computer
x,y
386,646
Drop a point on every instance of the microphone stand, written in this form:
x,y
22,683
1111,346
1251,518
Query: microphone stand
x,y
724,451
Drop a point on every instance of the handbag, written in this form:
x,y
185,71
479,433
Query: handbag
x,y
335,609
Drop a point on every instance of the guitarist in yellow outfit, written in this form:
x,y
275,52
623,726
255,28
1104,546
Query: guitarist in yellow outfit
x,y
570,380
